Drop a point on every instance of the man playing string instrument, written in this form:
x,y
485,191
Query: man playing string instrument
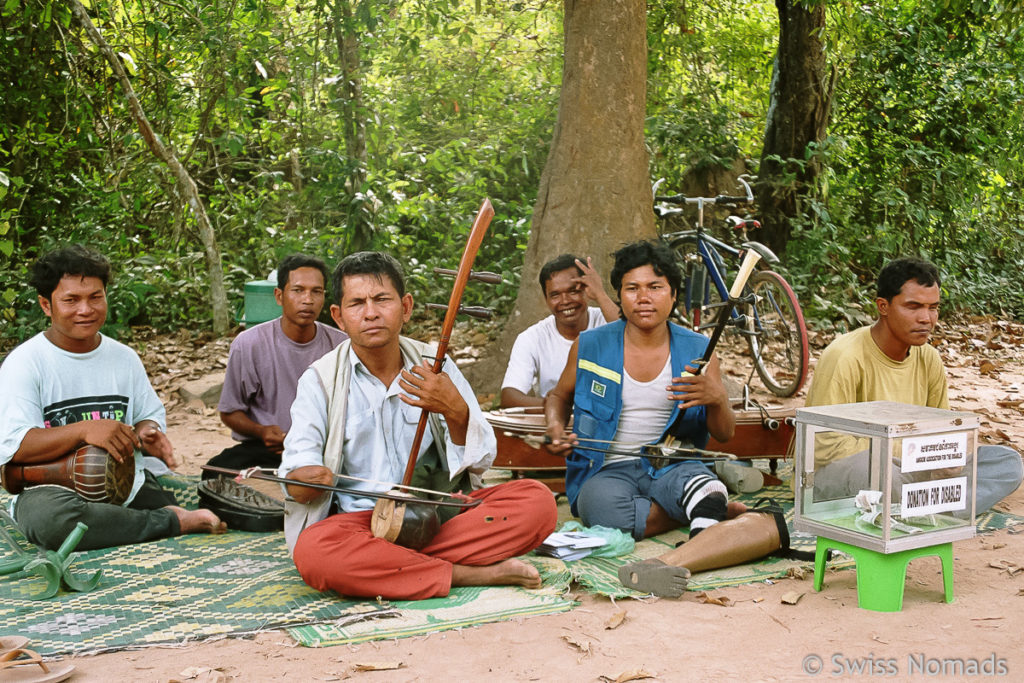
x,y
355,413
71,385
633,382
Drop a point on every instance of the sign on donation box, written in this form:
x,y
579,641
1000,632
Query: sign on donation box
x,y
885,476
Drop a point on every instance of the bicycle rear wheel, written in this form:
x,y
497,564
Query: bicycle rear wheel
x,y
776,333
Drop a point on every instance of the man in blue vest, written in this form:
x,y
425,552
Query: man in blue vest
x,y
630,383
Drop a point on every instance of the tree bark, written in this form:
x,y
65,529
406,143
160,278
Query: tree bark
x,y
186,186
595,191
798,114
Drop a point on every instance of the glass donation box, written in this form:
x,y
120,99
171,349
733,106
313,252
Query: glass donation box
x,y
885,476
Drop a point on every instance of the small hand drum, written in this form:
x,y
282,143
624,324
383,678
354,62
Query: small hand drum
x,y
90,472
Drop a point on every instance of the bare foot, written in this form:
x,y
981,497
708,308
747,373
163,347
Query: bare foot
x,y
201,521
734,510
510,572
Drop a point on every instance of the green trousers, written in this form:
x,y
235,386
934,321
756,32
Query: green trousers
x,y
47,514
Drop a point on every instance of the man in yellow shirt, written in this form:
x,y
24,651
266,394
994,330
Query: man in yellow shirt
x,y
891,360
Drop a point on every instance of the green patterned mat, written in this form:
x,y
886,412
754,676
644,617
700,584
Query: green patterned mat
x,y
196,587
470,606
600,575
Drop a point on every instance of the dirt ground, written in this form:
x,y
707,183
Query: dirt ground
x,y
756,638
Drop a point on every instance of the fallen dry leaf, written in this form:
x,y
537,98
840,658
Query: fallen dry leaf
x,y
1011,568
791,598
797,573
581,645
992,416
632,675
376,666
203,674
720,600
616,620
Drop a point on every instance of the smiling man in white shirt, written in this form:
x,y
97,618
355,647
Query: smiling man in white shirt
x,y
540,351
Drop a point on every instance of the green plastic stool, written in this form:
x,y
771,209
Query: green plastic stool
x,y
880,576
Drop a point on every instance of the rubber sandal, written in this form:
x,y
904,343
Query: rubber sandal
x,y
31,668
654,576
8,643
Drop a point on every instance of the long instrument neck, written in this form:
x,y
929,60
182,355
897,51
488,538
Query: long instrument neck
x,y
476,236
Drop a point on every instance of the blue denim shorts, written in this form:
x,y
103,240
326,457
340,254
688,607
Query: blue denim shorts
x,y
619,496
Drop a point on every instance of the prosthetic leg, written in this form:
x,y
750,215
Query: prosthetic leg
x,y
750,536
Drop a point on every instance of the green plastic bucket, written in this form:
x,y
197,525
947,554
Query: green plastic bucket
x,y
260,305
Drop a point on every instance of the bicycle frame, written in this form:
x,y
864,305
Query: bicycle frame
x,y
767,302
706,247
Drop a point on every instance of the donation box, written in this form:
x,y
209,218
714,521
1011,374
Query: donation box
x,y
885,476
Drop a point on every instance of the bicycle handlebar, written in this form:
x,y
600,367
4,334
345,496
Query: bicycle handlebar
x,y
720,199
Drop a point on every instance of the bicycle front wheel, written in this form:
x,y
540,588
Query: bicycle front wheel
x,y
777,334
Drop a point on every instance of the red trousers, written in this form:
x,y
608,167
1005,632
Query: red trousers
x,y
340,554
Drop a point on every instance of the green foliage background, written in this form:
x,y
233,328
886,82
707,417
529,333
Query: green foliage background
x,y
458,101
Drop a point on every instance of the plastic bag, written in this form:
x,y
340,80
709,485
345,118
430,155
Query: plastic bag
x,y
618,542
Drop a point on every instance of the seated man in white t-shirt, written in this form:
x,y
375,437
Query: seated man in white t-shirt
x,y
540,351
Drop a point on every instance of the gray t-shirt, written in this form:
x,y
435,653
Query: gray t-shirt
x,y
264,367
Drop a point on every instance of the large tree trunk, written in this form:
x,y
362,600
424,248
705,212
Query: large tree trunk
x,y
595,193
798,113
186,186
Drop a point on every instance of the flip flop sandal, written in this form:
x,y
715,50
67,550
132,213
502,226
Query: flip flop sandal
x,y
654,576
8,643
13,669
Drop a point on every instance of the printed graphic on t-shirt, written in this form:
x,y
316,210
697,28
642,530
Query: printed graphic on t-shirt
x,y
85,408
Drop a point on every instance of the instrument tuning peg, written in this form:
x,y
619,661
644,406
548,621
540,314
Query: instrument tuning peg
x,y
472,311
477,275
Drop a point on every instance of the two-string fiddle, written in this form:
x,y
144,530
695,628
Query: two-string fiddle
x,y
408,521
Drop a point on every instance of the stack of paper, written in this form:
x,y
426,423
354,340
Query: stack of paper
x,y
569,545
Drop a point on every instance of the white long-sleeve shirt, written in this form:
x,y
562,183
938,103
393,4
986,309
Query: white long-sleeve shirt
x,y
379,430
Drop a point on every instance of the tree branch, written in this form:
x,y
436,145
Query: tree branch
x,y
185,184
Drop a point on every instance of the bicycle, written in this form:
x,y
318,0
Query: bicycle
x,y
768,314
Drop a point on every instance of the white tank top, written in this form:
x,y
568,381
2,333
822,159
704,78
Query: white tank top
x,y
645,412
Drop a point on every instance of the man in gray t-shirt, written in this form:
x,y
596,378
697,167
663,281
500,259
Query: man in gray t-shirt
x,y
265,363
